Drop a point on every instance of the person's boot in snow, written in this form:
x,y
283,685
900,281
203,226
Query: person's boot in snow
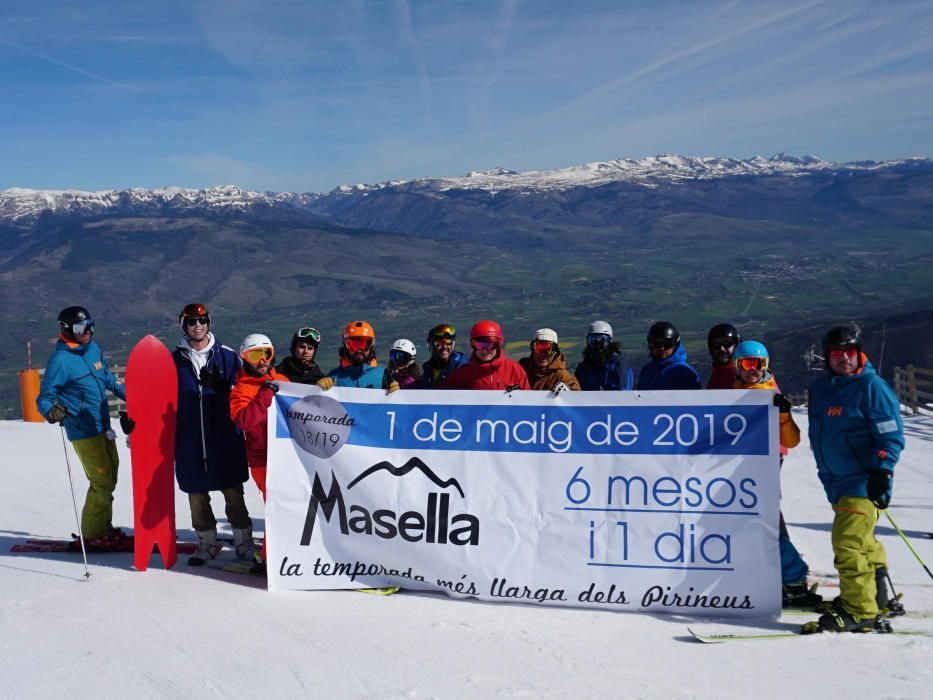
x,y
245,549
208,548
800,595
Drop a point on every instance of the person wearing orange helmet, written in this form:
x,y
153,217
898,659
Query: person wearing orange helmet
x,y
488,367
358,366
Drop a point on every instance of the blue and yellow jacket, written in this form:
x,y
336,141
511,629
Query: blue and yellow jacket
x,y
77,377
366,376
855,426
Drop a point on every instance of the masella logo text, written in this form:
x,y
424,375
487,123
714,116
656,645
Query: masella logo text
x,y
432,524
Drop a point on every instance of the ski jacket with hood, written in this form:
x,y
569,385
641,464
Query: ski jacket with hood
x,y
209,450
545,379
499,374
614,375
432,373
670,373
365,376
249,406
298,372
789,432
855,426
78,378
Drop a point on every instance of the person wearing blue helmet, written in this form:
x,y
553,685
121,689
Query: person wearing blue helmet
x,y
753,371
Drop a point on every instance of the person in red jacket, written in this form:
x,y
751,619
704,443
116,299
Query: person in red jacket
x,y
488,367
721,342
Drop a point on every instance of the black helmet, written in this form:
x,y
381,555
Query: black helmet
x,y
71,315
663,330
848,335
723,330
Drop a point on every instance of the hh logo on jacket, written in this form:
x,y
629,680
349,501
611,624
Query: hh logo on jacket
x,y
834,411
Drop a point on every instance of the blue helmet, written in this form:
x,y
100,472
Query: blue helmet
x,y
750,348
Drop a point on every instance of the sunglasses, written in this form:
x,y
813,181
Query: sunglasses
x,y
598,340
82,327
484,344
353,344
542,346
309,333
723,344
662,343
399,357
747,364
257,355
442,343
839,353
196,321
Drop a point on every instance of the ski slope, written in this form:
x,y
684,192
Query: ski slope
x,y
179,634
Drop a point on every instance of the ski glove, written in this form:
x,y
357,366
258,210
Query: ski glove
x,y
393,386
782,403
211,378
271,385
126,423
879,487
57,413
560,387
326,383
510,389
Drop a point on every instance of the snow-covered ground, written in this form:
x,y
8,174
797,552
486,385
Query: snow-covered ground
x,y
168,634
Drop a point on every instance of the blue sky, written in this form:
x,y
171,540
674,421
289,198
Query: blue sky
x,y
305,96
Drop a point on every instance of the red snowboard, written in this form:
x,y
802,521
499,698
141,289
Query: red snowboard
x,y
151,401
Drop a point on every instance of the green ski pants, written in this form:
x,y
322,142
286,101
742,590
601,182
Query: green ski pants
x,y
99,458
857,554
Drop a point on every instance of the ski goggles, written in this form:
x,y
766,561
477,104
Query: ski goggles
x,y
256,355
545,347
309,333
598,340
484,344
82,327
447,331
661,343
839,353
196,321
355,344
747,364
399,357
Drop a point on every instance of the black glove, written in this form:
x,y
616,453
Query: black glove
x,y
126,423
879,487
271,385
57,413
782,403
510,389
211,378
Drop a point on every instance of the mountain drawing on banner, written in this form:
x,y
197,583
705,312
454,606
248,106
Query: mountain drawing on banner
x,y
411,464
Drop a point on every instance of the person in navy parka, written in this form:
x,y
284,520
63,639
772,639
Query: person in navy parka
x,y
210,454
603,368
667,368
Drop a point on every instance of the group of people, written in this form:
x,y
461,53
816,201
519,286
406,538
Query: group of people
x,y
223,397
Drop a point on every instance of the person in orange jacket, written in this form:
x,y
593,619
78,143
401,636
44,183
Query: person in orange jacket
x,y
752,372
488,367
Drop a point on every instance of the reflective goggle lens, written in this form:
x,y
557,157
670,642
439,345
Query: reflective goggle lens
x,y
354,344
196,321
448,332
256,355
309,333
82,327
399,357
750,363
442,343
484,343
839,353
598,340
543,346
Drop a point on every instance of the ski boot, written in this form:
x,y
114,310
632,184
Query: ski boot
x,y
840,620
799,595
889,604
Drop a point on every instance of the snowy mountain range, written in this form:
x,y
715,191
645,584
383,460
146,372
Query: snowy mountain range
x,y
25,206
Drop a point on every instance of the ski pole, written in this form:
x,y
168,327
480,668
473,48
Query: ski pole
x,y
909,545
74,502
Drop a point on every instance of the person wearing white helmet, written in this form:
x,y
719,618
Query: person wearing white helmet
x,y
256,386
546,366
603,368
402,366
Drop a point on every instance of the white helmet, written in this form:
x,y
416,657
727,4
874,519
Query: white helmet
x,y
254,340
600,328
546,334
404,345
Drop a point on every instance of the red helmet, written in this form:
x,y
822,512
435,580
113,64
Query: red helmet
x,y
487,329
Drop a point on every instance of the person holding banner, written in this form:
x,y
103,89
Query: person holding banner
x,y
667,368
442,339
402,366
300,366
721,341
358,366
488,367
546,367
603,368
753,371
857,436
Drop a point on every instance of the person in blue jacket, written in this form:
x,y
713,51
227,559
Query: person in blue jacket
x,y
667,368
857,436
442,339
603,368
358,365
74,393
210,454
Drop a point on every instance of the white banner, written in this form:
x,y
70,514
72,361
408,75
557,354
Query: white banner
x,y
660,501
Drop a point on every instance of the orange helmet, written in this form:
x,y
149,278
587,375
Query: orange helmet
x,y
486,329
359,329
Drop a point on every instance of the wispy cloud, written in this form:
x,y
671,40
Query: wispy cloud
x,y
69,66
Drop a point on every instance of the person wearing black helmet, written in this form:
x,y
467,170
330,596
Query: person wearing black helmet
x,y
442,341
857,437
300,366
721,341
667,367
74,393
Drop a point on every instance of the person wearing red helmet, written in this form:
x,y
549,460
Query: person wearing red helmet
x,y
488,367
